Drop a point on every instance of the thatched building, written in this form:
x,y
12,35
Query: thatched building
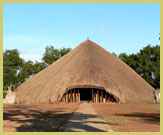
x,y
87,73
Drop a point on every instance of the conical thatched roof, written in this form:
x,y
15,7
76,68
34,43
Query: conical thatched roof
x,y
10,97
88,65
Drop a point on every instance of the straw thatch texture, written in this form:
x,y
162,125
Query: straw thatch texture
x,y
86,65
10,97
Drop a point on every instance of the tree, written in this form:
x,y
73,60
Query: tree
x,y
38,66
123,57
26,71
146,63
149,57
64,51
12,64
16,70
114,54
51,54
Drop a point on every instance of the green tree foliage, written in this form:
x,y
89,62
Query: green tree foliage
x,y
38,66
12,64
146,63
51,54
114,54
26,71
16,70
64,51
124,57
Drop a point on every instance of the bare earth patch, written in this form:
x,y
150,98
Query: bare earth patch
x,y
130,117
37,118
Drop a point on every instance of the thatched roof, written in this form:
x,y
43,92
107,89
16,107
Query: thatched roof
x,y
10,97
88,65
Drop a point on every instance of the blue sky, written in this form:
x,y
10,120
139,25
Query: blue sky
x,y
116,27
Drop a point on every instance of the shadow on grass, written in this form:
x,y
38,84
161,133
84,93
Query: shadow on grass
x,y
151,118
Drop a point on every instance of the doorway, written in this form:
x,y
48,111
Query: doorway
x,y
94,95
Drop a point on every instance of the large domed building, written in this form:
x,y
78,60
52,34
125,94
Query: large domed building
x,y
87,73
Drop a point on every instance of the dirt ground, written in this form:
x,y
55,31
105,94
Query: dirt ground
x,y
37,118
130,117
53,117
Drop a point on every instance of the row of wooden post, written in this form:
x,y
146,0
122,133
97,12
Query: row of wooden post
x,y
71,96
98,96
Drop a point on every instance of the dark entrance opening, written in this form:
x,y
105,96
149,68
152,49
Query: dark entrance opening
x,y
85,94
95,95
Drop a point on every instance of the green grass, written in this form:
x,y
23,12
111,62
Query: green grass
x,y
153,103
112,121
146,121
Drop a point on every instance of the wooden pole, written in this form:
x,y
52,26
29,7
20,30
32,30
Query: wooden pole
x,y
106,97
102,96
95,96
66,96
73,97
76,96
70,95
98,96
79,96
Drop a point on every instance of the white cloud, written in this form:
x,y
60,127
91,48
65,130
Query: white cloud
x,y
28,55
31,47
